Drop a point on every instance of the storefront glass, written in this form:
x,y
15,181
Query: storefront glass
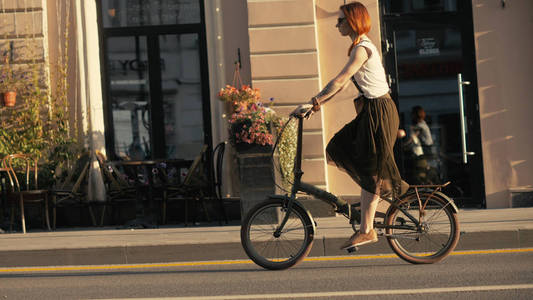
x,y
155,61
129,90
418,6
425,56
182,94
132,13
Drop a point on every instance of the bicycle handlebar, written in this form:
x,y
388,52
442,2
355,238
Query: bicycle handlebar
x,y
303,111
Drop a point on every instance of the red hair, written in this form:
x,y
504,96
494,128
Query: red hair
x,y
358,18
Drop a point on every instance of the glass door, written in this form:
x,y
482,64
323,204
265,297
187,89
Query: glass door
x,y
181,95
432,74
129,94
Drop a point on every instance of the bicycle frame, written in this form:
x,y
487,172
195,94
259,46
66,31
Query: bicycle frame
x,y
337,203
300,186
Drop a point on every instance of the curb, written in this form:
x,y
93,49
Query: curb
x,y
322,246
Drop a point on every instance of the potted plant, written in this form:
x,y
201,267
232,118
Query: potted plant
x,y
9,83
239,98
251,125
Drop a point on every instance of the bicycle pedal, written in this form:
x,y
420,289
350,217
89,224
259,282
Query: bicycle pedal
x,y
352,249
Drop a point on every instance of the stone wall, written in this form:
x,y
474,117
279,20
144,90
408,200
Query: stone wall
x,y
23,42
285,66
503,75
22,32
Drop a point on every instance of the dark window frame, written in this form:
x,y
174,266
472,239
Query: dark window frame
x,y
152,32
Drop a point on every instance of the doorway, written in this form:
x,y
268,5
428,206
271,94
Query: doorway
x,y
429,55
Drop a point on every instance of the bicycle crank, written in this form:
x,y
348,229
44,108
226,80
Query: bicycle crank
x,y
400,236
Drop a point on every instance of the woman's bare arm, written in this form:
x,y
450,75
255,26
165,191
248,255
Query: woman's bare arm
x,y
356,60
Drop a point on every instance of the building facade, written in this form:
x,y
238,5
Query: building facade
x,y
146,76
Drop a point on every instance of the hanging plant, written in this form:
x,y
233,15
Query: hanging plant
x,y
10,82
10,98
239,96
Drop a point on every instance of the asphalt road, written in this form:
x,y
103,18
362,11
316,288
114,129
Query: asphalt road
x,y
464,275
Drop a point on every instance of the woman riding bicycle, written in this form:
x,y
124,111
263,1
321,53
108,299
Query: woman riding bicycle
x,y
364,147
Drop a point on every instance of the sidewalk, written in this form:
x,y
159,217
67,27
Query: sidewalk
x,y
482,229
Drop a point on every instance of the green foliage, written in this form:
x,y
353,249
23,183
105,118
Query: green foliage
x,y
10,81
23,129
39,125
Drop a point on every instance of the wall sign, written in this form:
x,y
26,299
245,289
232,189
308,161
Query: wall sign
x,y
428,46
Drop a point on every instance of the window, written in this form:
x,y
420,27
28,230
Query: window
x,y
155,61
133,13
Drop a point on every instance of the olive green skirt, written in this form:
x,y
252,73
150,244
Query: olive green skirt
x,y
364,148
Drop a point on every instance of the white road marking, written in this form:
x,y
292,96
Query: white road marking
x,y
482,288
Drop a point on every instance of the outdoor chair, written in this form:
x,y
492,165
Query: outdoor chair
x,y
218,163
72,190
23,172
119,190
194,187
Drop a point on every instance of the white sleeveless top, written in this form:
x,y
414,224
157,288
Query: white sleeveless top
x,y
371,76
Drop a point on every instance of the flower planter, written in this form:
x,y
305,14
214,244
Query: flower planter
x,y
10,99
256,179
245,148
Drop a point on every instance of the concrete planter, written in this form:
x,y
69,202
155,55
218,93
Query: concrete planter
x,y
256,178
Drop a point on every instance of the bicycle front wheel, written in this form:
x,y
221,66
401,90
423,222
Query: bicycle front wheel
x,y
265,247
428,242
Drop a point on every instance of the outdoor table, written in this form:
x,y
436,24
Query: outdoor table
x,y
148,176
140,171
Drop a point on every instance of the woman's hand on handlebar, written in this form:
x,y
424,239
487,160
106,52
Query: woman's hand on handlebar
x,y
303,110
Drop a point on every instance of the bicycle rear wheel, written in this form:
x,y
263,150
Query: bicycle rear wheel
x,y
277,252
431,241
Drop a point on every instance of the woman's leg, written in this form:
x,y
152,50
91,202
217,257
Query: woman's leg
x,y
366,234
369,205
